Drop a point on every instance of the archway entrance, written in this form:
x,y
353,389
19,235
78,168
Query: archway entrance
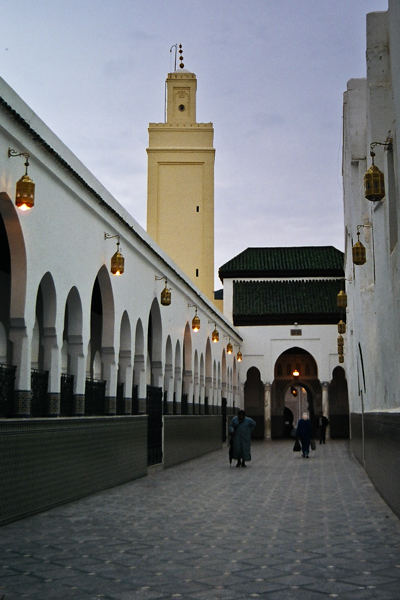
x,y
254,401
338,405
295,389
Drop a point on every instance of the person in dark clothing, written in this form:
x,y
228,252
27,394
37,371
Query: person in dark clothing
x,y
304,432
322,424
241,427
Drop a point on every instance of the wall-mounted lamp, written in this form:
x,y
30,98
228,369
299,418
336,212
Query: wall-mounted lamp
x,y
117,260
215,333
166,293
195,320
239,356
25,188
358,250
374,180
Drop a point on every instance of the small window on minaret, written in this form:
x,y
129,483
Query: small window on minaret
x,y
197,208
197,272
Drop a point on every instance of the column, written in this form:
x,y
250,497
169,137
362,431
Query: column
x,y
325,403
267,411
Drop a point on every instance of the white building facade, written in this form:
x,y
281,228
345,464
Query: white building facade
x,y
372,346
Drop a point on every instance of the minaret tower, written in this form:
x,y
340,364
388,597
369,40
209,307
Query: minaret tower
x,y
180,190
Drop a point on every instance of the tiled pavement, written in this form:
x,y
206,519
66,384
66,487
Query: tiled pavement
x,y
285,528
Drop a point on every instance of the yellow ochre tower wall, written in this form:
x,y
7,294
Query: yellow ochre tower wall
x,y
180,189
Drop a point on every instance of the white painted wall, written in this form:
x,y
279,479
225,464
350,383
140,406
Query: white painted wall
x,y
371,114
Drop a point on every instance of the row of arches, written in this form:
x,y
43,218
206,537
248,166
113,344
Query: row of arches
x,y
85,355
276,406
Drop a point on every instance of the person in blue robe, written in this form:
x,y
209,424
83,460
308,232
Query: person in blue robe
x,y
304,432
241,427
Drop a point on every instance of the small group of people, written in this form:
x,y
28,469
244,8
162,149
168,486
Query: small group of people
x,y
240,429
305,431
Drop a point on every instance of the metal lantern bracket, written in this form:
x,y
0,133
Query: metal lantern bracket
x,y
13,153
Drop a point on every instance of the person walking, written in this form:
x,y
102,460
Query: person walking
x,y
304,432
240,428
322,424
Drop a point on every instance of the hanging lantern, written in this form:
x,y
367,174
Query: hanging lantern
x,y
359,253
117,263
296,372
117,260
374,183
239,356
342,299
196,322
25,188
293,391
215,335
229,348
25,193
341,358
340,342
166,296
341,326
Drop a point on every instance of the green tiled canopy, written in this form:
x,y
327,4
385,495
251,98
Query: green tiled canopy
x,y
286,302
298,261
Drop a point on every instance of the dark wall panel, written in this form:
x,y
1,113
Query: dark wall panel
x,y
190,436
46,462
382,452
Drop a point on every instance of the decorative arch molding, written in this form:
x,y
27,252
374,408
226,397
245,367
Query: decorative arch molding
x,y
180,406
187,369
154,344
17,248
139,371
125,371
108,308
169,392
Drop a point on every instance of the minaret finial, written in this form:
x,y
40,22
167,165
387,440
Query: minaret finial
x,y
181,65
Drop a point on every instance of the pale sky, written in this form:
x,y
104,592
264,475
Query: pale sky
x,y
270,77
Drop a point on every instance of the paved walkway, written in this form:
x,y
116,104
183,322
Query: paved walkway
x,y
284,528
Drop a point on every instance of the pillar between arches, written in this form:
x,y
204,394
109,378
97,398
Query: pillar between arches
x,y
325,403
267,411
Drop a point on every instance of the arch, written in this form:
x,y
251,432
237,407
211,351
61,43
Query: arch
x,y
44,331
208,361
181,405
125,373
338,405
169,390
17,249
154,341
187,365
254,400
73,367
107,307
139,366
291,395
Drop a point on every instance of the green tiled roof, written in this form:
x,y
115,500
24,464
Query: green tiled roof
x,y
281,302
296,261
